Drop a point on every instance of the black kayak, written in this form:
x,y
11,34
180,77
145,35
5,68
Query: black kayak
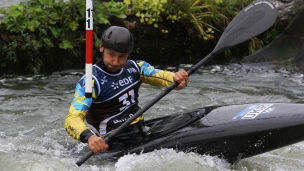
x,y
230,132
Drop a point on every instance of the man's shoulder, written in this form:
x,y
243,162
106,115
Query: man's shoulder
x,y
142,63
132,65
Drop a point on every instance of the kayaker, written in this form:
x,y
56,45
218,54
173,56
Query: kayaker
x,y
116,81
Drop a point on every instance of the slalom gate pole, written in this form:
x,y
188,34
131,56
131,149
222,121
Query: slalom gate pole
x,y
89,48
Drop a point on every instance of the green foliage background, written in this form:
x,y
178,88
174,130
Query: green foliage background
x,y
43,36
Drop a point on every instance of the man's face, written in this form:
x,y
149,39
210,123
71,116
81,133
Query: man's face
x,y
113,60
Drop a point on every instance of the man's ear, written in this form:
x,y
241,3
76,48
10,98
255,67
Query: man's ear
x,y
101,48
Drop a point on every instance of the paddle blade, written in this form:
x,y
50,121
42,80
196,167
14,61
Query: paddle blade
x,y
251,21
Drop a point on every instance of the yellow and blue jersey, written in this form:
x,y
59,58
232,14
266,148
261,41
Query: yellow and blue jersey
x,y
112,94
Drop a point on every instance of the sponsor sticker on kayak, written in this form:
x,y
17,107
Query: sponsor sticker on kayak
x,y
253,111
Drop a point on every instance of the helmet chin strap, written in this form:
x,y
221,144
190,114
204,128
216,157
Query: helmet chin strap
x,y
101,59
101,64
101,56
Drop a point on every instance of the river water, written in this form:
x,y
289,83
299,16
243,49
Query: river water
x,y
6,3
33,109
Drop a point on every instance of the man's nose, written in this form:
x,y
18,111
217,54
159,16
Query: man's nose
x,y
115,60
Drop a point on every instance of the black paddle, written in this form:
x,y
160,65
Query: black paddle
x,y
251,21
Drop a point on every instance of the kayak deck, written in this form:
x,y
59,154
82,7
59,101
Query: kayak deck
x,y
231,132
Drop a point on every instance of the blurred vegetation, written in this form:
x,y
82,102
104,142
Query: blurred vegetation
x,y
43,36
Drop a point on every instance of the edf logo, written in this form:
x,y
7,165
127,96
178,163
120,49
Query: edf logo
x,y
125,81
122,82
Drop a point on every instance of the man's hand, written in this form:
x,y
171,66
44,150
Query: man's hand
x,y
97,144
182,78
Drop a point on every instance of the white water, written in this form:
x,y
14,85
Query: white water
x,y
33,109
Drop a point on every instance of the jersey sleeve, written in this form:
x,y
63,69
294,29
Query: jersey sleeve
x,y
153,76
74,122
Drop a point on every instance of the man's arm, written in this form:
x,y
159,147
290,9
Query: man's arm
x,y
157,77
74,122
80,105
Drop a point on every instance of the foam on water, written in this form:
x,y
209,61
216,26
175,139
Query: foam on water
x,y
170,160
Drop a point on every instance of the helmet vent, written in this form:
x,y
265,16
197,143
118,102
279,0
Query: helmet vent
x,y
110,35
